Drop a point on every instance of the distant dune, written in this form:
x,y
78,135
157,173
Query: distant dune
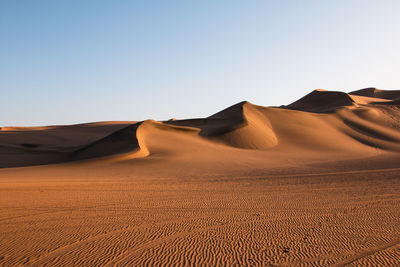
x,y
312,183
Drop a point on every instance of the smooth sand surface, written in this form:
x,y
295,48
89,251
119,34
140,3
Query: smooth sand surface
x,y
313,183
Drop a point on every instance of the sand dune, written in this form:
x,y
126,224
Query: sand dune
x,y
373,92
320,120
322,101
314,183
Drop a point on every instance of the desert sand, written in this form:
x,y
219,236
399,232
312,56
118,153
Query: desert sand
x,y
312,183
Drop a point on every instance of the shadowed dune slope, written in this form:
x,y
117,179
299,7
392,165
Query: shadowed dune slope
x,y
322,121
249,128
241,125
322,101
24,146
377,93
121,141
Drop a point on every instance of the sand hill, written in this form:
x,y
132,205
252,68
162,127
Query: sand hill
x,y
323,121
311,183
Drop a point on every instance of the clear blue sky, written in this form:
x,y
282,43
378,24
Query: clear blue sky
x,y
67,62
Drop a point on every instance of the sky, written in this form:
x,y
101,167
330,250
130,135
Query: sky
x,y
65,62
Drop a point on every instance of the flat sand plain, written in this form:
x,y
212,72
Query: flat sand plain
x,y
314,183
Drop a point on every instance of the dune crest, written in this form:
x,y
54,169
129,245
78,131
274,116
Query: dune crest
x,y
244,127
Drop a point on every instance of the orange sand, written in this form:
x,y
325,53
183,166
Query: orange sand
x,y
316,182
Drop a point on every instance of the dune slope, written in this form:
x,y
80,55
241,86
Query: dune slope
x,y
322,101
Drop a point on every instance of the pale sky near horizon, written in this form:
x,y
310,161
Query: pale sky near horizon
x,y
65,62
